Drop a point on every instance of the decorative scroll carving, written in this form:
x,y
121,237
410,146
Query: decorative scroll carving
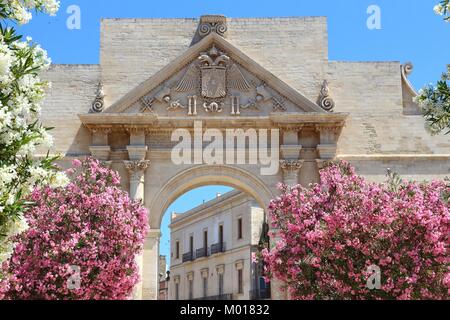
x,y
325,100
215,107
174,105
407,69
212,23
99,102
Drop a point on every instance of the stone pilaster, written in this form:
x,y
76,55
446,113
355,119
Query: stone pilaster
x,y
150,258
137,170
329,134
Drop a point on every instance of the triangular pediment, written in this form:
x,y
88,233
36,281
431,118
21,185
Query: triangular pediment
x,y
213,77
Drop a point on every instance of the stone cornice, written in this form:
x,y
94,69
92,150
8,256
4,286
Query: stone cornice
x,y
133,122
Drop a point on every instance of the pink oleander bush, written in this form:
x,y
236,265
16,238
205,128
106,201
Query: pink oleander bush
x,y
91,224
330,235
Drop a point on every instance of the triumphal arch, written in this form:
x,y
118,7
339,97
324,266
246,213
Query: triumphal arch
x,y
269,75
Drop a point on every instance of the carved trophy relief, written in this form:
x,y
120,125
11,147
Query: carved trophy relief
x,y
216,83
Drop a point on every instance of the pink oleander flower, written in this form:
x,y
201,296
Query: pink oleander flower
x,y
330,236
89,230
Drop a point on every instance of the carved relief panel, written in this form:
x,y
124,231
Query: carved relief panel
x,y
213,84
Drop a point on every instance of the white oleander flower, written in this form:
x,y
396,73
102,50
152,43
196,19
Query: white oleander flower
x,y
59,180
6,60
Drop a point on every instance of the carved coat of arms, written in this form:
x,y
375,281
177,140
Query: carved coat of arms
x,y
213,66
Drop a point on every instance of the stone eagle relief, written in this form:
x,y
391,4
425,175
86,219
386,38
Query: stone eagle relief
x,y
215,82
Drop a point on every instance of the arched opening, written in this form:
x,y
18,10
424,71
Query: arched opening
x,y
217,222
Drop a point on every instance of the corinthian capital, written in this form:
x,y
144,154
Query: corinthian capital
x,y
291,166
291,169
136,168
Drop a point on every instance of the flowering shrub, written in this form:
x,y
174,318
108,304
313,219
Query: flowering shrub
x,y
434,100
331,237
91,226
443,9
21,92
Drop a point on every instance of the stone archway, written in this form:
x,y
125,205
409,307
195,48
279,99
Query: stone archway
x,y
181,183
208,175
217,84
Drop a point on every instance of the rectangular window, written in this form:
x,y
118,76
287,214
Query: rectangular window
x,y
177,250
191,246
239,228
205,287
205,242
177,291
191,289
221,237
220,284
240,281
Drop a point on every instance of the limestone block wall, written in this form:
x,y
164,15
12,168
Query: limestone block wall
x,y
378,135
72,92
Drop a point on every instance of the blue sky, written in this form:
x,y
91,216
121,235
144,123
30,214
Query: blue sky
x,y
410,31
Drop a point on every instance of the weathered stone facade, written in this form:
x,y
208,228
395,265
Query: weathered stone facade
x,y
156,75
223,233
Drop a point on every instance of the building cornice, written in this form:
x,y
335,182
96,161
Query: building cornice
x,y
209,208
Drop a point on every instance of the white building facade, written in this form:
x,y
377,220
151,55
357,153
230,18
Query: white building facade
x,y
211,250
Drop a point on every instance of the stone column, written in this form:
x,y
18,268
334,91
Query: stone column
x,y
137,170
150,276
136,166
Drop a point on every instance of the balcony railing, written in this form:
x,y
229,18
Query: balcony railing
x,y
261,294
228,296
202,252
188,257
218,247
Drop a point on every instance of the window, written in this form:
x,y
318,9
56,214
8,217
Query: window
x,y
177,291
191,246
220,284
205,242
177,250
240,281
191,289
205,287
239,228
221,237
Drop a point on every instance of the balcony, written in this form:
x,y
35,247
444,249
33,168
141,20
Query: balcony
x,y
218,247
262,294
201,253
188,257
